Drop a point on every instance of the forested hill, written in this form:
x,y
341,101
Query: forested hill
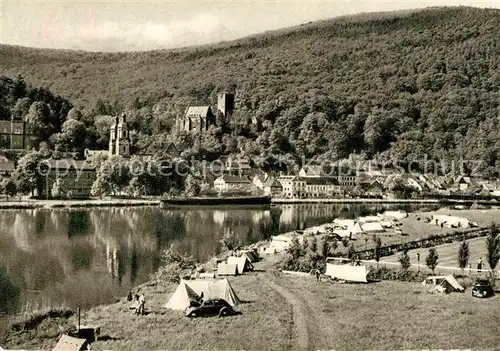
x,y
400,86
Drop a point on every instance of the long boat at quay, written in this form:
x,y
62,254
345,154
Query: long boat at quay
x,y
215,200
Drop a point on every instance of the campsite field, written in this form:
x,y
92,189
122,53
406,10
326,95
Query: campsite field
x,y
289,312
448,254
417,229
394,315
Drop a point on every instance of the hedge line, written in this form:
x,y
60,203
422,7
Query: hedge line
x,y
431,241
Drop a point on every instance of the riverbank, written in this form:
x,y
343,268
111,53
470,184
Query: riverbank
x,y
285,312
31,204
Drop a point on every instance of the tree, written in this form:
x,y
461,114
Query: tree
x,y
173,263
404,260
191,186
30,173
38,117
493,247
351,253
377,249
8,187
432,259
463,254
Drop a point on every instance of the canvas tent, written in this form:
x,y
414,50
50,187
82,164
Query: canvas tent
x,y
367,227
189,290
69,343
347,272
227,269
252,256
445,284
243,263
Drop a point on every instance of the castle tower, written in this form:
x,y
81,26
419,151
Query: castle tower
x,y
119,141
225,104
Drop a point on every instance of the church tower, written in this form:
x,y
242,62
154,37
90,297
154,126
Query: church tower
x,y
119,140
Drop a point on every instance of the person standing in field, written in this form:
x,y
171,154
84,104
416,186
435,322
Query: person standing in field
x,y
480,263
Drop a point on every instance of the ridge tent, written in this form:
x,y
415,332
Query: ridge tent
x,y
445,284
367,227
215,289
69,343
347,272
243,263
182,297
252,256
227,269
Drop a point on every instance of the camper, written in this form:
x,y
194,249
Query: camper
x,y
395,214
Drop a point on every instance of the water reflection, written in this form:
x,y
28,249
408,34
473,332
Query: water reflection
x,y
86,257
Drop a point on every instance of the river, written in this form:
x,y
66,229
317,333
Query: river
x,y
51,258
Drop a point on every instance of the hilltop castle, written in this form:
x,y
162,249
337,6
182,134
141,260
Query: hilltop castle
x,y
200,118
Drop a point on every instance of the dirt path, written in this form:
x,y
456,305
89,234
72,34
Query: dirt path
x,y
299,308
299,313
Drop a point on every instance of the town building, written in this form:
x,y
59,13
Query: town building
x,y
299,187
229,182
76,177
16,135
272,187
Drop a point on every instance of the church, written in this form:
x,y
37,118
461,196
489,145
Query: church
x,y
199,118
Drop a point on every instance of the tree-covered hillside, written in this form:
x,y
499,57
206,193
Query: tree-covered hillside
x,y
397,87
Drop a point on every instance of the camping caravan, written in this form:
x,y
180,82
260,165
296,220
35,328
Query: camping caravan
x,y
192,290
347,272
445,284
243,263
224,269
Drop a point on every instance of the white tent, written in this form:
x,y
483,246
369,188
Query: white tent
x,y
347,272
227,269
443,283
243,263
367,227
189,290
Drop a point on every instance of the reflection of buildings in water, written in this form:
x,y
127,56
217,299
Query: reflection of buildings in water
x,y
259,216
219,217
23,229
287,214
112,261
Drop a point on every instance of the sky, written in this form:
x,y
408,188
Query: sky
x,y
126,25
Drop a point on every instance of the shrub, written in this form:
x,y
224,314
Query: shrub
x,y
173,263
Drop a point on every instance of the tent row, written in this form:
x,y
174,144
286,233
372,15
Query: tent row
x,y
235,266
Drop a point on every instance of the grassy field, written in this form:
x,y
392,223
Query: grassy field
x,y
284,312
394,315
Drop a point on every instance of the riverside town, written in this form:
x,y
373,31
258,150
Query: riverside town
x,y
330,185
